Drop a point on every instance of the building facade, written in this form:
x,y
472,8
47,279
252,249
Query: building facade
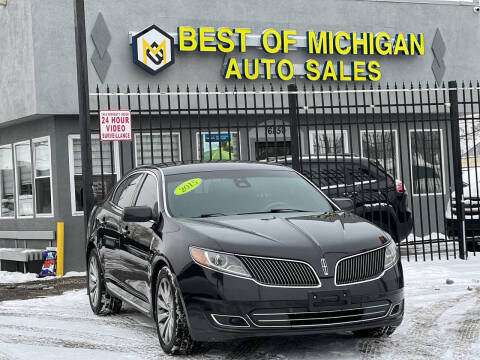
x,y
40,165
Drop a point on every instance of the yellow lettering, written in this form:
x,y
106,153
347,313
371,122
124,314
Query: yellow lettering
x,y
373,68
356,42
231,69
400,45
358,69
242,38
338,47
329,71
277,39
311,68
417,44
386,47
341,71
224,36
267,63
205,36
246,69
287,41
317,44
279,69
186,38
371,46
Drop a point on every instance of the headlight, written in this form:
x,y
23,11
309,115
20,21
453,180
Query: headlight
x,y
221,262
391,254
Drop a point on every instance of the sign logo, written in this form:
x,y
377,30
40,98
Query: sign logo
x,y
152,49
324,266
115,125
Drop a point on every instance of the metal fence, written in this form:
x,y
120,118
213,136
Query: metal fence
x,y
397,152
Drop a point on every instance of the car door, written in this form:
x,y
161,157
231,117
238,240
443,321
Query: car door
x,y
114,228
141,236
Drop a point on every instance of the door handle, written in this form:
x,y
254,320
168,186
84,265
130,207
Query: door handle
x,y
102,222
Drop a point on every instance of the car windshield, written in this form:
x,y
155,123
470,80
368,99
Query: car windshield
x,y
233,192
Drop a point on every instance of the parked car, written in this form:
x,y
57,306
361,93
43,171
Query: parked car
x,y
375,193
221,251
472,216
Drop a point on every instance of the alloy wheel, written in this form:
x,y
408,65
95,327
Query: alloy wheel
x,y
165,310
93,280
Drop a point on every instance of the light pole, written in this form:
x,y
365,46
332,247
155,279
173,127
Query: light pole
x,y
83,108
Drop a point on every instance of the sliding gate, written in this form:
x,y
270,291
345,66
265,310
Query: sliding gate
x,y
344,139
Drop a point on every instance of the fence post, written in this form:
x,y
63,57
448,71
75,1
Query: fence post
x,y
293,111
83,108
457,167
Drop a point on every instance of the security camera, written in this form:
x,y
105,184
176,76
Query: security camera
x,y
476,9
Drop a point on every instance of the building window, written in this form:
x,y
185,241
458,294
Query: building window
x,y
104,167
381,146
23,175
42,177
165,148
212,146
426,156
328,142
7,183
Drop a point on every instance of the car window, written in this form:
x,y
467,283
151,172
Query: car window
x,y
148,195
232,192
343,172
126,190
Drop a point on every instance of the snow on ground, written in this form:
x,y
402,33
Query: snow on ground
x,y
442,321
7,277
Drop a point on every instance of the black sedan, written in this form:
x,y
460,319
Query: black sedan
x,y
221,251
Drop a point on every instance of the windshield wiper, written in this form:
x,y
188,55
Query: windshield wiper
x,y
275,211
210,215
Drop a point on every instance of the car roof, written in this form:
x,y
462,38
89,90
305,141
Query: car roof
x,y
179,168
315,158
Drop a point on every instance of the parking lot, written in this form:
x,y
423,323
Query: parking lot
x,y
442,321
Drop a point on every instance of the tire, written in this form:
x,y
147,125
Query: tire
x,y
172,328
100,302
384,331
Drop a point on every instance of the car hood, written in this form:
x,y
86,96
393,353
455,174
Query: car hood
x,y
294,235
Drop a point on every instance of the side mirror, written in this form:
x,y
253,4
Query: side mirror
x,y
344,203
137,214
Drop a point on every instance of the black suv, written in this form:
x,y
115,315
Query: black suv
x,y
375,193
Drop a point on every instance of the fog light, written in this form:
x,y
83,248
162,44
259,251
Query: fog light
x,y
396,309
230,320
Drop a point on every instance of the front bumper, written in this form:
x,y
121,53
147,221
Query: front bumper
x,y
270,311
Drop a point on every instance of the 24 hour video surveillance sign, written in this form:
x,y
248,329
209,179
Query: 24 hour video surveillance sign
x,y
153,51
115,125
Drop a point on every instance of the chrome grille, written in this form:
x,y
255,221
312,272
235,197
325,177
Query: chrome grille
x,y
300,318
360,267
280,272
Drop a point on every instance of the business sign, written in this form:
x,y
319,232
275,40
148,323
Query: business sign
x,y
225,40
152,49
115,125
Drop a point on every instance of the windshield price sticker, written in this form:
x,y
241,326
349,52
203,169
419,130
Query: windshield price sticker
x,y
115,125
187,186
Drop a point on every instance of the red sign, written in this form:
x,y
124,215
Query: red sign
x,y
115,125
